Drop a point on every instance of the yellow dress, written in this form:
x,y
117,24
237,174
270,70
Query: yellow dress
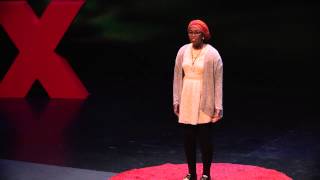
x,y
190,112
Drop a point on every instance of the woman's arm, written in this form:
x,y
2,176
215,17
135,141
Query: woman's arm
x,y
177,77
218,91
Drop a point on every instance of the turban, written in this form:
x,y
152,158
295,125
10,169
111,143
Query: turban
x,y
203,27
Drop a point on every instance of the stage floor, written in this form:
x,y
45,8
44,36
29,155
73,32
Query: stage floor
x,y
122,127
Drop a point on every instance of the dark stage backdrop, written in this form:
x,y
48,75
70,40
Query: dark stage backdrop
x,y
122,47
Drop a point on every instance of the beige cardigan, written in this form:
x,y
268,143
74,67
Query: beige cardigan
x,y
211,95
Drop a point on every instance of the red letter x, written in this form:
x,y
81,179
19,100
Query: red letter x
x,y
36,38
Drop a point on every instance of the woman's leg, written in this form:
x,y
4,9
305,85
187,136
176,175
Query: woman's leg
x,y
190,147
206,147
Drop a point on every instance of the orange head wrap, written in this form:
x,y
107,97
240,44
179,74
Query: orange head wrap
x,y
203,27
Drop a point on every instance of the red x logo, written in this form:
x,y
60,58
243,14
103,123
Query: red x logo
x,y
36,38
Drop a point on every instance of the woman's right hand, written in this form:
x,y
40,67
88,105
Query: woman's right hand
x,y
176,109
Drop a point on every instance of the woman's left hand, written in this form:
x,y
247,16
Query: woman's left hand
x,y
217,116
215,119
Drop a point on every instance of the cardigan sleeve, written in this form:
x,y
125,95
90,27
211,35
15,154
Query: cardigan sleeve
x,y
218,78
178,73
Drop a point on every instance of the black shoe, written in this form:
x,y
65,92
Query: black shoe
x,y
190,177
205,177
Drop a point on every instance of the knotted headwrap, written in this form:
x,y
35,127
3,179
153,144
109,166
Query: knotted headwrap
x,y
203,27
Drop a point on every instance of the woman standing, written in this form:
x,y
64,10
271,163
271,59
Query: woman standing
x,y
197,95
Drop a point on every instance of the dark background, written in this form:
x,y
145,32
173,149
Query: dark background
x,y
264,44
124,53
268,49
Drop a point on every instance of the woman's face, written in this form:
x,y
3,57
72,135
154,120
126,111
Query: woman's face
x,y
195,35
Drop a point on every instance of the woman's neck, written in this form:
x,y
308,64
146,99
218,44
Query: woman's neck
x,y
198,46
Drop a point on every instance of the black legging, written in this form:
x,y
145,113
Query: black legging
x,y
202,133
